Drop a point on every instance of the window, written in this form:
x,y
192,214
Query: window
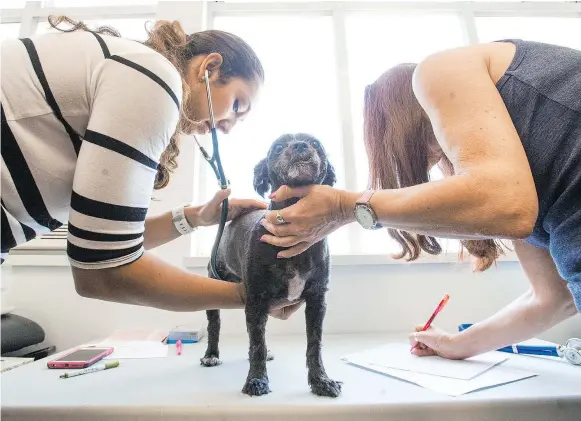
x,y
299,95
132,28
9,30
375,43
553,30
13,4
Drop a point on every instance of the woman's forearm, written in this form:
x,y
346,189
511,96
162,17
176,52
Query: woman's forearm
x,y
547,303
523,319
462,206
151,282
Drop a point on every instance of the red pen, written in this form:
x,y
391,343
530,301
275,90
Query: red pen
x,y
179,346
436,311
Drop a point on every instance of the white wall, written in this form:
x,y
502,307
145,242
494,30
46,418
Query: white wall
x,y
380,298
388,298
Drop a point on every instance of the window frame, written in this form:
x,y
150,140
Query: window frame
x,y
206,11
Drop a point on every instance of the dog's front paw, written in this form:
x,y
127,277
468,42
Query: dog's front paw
x,y
256,387
324,386
210,361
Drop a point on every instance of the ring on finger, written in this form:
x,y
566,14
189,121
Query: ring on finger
x,y
279,218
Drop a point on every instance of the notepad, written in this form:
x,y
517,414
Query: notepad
x,y
496,376
398,356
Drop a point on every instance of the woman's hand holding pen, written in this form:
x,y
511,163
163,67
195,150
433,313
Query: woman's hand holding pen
x,y
435,341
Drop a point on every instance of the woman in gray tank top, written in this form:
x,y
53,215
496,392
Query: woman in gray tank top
x,y
503,122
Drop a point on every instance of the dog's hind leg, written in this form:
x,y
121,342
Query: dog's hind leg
x,y
212,356
256,318
320,383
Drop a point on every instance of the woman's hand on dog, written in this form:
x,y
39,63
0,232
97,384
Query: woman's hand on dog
x,y
282,309
209,214
320,211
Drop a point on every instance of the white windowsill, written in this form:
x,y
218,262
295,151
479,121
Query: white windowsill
x,y
193,262
58,258
33,258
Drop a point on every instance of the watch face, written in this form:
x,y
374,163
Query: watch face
x,y
364,217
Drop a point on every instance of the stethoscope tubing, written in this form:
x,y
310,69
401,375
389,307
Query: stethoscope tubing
x,y
216,164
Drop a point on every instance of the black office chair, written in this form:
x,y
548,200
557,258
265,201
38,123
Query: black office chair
x,y
24,338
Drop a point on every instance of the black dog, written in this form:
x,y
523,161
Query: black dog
x,y
293,160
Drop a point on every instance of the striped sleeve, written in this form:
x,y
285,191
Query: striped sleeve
x,y
134,113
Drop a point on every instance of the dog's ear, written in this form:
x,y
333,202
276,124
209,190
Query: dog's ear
x,y
330,178
261,179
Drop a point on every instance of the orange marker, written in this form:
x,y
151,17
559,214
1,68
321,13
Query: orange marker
x,y
429,322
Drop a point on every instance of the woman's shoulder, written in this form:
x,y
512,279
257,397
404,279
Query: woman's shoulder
x,y
145,60
491,59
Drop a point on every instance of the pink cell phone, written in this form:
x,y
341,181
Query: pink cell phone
x,y
80,357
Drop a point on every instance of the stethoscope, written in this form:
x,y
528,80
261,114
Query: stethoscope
x,y
216,164
570,352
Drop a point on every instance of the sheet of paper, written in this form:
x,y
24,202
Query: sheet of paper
x,y
135,349
494,377
9,363
397,356
136,335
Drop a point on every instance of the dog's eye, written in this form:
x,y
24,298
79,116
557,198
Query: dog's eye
x,y
316,144
278,149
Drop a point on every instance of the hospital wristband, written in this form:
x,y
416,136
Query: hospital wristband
x,y
180,221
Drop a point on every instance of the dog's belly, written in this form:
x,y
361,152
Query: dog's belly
x,y
296,285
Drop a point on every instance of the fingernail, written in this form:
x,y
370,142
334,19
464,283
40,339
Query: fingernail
x,y
272,196
262,239
279,256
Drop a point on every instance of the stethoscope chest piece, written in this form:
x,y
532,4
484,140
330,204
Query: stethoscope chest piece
x,y
571,351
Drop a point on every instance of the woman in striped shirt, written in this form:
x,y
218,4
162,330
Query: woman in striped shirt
x,y
90,127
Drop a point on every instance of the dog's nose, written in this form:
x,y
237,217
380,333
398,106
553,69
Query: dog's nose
x,y
300,147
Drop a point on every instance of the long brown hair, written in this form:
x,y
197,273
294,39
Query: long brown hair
x,y
398,135
170,40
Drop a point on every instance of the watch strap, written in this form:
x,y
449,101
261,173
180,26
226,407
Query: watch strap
x,y
365,197
180,221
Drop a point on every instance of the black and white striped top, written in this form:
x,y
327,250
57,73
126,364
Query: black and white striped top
x,y
85,119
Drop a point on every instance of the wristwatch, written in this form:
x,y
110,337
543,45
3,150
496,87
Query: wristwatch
x,y
364,214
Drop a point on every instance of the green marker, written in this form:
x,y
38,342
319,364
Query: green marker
x,y
96,367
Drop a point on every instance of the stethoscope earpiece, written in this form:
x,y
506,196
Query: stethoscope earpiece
x,y
571,351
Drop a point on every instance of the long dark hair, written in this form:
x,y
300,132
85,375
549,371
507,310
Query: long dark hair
x,y
398,134
170,40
